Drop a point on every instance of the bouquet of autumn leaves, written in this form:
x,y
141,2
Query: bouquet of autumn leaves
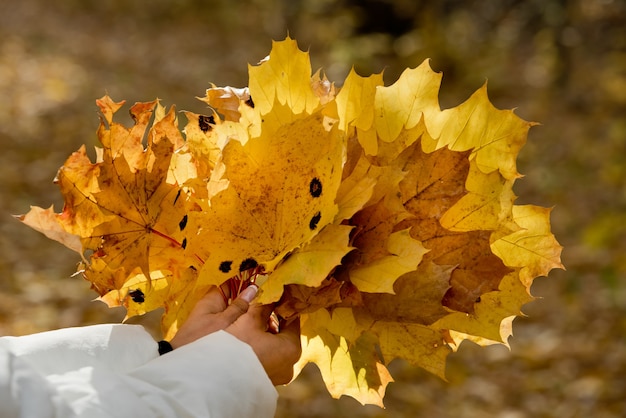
x,y
386,224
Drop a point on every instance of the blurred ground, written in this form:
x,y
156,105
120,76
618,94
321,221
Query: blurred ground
x,y
561,63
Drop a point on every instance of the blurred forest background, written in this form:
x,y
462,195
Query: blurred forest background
x,y
561,63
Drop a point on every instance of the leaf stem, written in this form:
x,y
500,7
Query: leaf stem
x,y
167,237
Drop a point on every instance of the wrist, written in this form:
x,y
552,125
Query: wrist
x,y
164,347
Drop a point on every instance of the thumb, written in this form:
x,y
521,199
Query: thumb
x,y
240,305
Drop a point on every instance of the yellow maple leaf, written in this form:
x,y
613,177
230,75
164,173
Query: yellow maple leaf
x,y
285,78
311,264
533,248
487,205
345,355
280,194
418,344
493,308
494,136
401,106
382,255
379,275
354,108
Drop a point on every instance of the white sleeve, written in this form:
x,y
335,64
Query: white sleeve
x,y
115,371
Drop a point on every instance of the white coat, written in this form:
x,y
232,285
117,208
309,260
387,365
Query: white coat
x,y
116,371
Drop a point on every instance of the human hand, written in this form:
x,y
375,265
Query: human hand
x,y
277,350
211,314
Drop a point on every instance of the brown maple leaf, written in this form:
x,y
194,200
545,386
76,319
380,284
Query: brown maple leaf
x,y
121,207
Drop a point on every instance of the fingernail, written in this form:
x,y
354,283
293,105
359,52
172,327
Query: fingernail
x,y
249,293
